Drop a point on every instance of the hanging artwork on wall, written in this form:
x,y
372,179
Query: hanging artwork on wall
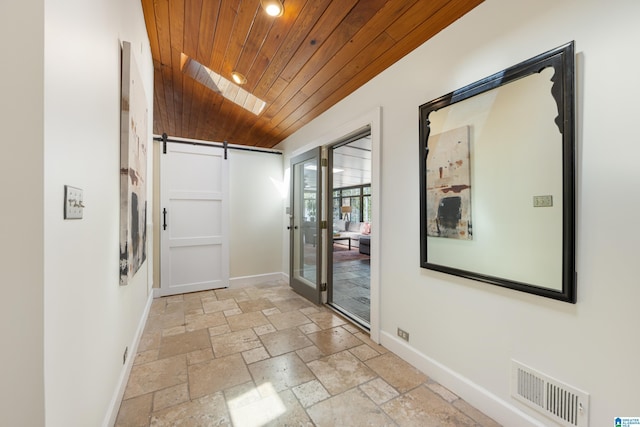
x,y
133,169
449,185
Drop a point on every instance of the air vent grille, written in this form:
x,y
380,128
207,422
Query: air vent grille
x,y
564,404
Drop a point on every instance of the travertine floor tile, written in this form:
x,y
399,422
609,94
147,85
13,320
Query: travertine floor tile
x,y
258,304
423,407
364,352
309,310
473,413
184,343
171,396
281,342
199,356
281,372
309,328
271,311
150,340
247,320
157,375
216,375
441,391
292,303
281,409
365,339
255,355
146,357
326,319
340,372
204,321
264,356
212,306
237,294
310,393
379,391
288,319
219,330
157,307
135,412
174,299
352,408
398,373
264,329
232,312
204,412
193,306
310,353
334,340
176,330
234,342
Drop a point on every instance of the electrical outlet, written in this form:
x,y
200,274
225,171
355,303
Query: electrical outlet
x,y
542,201
403,334
124,356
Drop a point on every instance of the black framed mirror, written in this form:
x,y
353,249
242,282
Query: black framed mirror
x,y
497,185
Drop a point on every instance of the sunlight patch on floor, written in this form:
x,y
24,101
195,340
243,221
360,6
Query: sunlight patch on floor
x,y
257,407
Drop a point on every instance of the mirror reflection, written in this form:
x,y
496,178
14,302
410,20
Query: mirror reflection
x,y
497,183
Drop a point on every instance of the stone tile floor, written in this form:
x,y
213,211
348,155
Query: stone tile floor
x,y
264,356
351,287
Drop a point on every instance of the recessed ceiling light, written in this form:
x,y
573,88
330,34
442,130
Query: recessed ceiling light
x,y
273,7
238,78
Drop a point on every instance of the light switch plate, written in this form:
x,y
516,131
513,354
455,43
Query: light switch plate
x,y
73,203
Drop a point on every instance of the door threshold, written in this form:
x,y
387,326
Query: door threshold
x,y
360,323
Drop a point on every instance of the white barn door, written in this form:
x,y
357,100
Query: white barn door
x,y
194,219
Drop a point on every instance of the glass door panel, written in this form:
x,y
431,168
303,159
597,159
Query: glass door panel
x,y
305,244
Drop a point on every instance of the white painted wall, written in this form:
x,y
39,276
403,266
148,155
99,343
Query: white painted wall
x,y
89,319
256,208
464,333
21,213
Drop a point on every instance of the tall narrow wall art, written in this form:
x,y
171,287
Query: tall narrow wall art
x,y
133,169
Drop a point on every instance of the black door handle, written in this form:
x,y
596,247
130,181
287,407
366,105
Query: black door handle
x,y
164,218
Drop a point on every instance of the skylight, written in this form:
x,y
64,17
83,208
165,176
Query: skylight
x,y
221,85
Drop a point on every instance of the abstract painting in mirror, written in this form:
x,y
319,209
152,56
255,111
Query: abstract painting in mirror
x,y
497,178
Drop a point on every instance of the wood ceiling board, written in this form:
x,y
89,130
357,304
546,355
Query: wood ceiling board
x,y
360,41
239,37
202,30
221,39
331,19
278,33
303,24
176,24
444,17
337,40
192,15
298,79
178,89
255,41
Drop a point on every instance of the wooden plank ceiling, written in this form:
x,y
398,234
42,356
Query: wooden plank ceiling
x,y
300,64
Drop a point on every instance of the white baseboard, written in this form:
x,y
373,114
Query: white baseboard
x,y
114,405
490,404
243,282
